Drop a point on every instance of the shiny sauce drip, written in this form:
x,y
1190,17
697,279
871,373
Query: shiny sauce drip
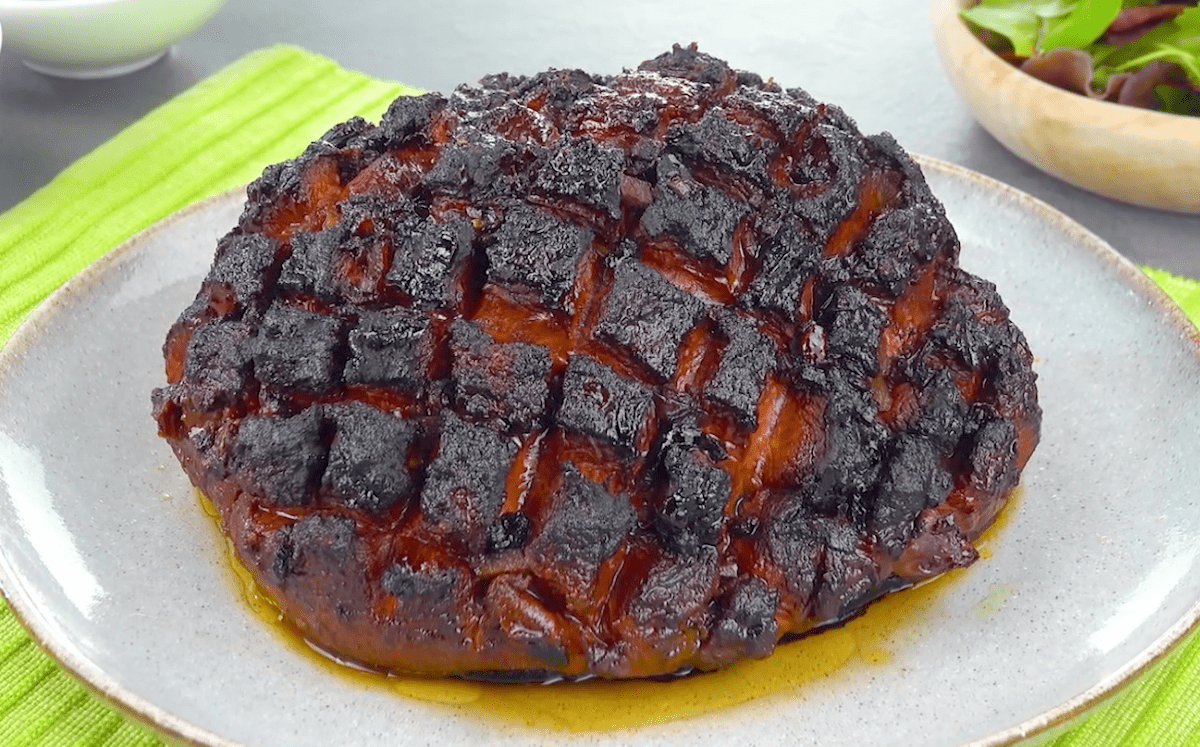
x,y
872,639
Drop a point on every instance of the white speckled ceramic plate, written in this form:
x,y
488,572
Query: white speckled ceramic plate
x,y
108,559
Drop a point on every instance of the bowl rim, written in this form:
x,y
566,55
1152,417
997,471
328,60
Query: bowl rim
x,y
56,4
30,7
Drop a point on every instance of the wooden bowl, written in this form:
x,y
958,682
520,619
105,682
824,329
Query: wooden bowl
x,y
1134,155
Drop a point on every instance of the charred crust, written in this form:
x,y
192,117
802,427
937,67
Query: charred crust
x,y
502,384
281,458
600,402
368,466
648,316
464,486
297,349
536,249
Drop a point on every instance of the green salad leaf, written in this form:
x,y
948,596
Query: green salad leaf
x,y
1041,25
1017,20
1086,23
1178,100
1034,27
1177,40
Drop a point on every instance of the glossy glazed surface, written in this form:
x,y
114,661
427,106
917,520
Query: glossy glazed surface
x,y
112,563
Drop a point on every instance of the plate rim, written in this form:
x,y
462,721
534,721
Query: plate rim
x,y
161,722
1134,279
168,725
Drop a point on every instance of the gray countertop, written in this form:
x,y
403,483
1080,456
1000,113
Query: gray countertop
x,y
875,58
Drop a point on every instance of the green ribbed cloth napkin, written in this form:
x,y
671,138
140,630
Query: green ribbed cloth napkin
x,y
219,134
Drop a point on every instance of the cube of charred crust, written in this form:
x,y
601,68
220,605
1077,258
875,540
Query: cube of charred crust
x,y
297,349
693,504
534,248
853,323
491,93
368,458
554,90
426,586
790,257
600,402
964,331
316,542
745,361
501,383
586,525
850,578
993,454
407,119
311,267
795,544
700,217
746,625
855,439
583,170
896,244
430,596
691,64
464,486
943,411
242,264
217,367
393,348
912,480
344,261
428,259
474,163
281,458
648,315
718,139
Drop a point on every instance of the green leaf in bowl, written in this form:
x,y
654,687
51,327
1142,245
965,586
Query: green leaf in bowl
x,y
1178,100
1177,41
1034,26
1085,24
1019,21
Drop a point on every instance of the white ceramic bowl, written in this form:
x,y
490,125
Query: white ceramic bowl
x,y
99,38
1134,155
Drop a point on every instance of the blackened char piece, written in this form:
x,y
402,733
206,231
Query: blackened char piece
x,y
502,383
648,316
600,402
533,248
574,375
